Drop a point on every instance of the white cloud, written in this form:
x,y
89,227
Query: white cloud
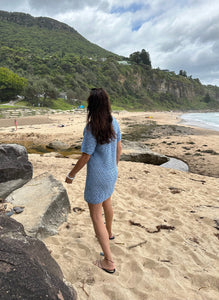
x,y
61,6
13,6
178,34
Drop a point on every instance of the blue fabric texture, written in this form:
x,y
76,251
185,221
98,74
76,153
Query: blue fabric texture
x,y
102,167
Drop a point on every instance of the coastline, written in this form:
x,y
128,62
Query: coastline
x,y
191,119
148,265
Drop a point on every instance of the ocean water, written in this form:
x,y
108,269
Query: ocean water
x,y
208,120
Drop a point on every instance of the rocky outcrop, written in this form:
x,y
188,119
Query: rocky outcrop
x,y
27,270
178,89
15,169
57,145
45,203
138,152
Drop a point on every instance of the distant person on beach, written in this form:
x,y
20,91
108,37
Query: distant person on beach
x,y
15,124
101,149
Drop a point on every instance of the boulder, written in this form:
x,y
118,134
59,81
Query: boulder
x,y
15,169
45,203
27,270
138,152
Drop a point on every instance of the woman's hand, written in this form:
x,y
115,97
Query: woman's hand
x,y
69,178
69,181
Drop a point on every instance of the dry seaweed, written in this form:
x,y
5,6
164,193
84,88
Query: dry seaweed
x,y
78,209
159,227
202,181
175,190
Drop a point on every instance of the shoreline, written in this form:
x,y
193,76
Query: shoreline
x,y
197,123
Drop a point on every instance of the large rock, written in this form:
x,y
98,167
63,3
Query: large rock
x,y
27,270
46,205
138,152
57,145
15,169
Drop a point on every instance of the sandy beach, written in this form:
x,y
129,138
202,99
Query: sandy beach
x,y
166,221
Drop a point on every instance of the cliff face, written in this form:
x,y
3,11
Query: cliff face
x,y
179,86
156,81
166,89
176,88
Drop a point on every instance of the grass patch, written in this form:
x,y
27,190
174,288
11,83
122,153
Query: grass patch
x,y
22,104
117,107
6,106
60,104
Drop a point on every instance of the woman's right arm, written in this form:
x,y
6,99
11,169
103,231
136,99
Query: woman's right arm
x,y
119,151
83,160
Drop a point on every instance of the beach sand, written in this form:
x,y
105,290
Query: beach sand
x,y
172,264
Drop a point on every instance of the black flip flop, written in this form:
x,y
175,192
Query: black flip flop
x,y
99,265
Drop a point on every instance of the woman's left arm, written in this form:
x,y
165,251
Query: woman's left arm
x,y
83,160
118,151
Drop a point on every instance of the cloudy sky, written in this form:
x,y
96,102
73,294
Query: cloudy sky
x,y
178,34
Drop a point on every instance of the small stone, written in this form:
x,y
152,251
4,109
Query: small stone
x,y
9,213
18,209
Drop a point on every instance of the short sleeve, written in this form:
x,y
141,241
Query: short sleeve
x,y
89,142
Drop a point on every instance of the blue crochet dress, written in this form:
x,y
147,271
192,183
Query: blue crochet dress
x,y
101,168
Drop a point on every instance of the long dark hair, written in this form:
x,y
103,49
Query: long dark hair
x,y
99,118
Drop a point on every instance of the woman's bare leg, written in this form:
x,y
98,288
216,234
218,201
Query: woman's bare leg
x,y
102,234
108,213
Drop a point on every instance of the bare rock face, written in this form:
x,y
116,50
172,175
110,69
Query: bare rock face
x,y
15,169
46,205
27,270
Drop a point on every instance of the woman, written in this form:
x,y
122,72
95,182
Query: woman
x,y
101,149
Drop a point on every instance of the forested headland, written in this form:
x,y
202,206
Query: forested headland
x,y
42,59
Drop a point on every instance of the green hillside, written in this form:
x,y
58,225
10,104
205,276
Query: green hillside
x,y
42,36
55,59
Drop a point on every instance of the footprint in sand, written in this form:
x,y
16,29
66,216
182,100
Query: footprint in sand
x,y
123,215
117,250
156,267
131,274
124,237
163,272
82,251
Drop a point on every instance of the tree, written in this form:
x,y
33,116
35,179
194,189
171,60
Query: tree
x,y
183,73
135,57
49,91
207,98
142,57
32,91
40,91
145,58
11,84
70,96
